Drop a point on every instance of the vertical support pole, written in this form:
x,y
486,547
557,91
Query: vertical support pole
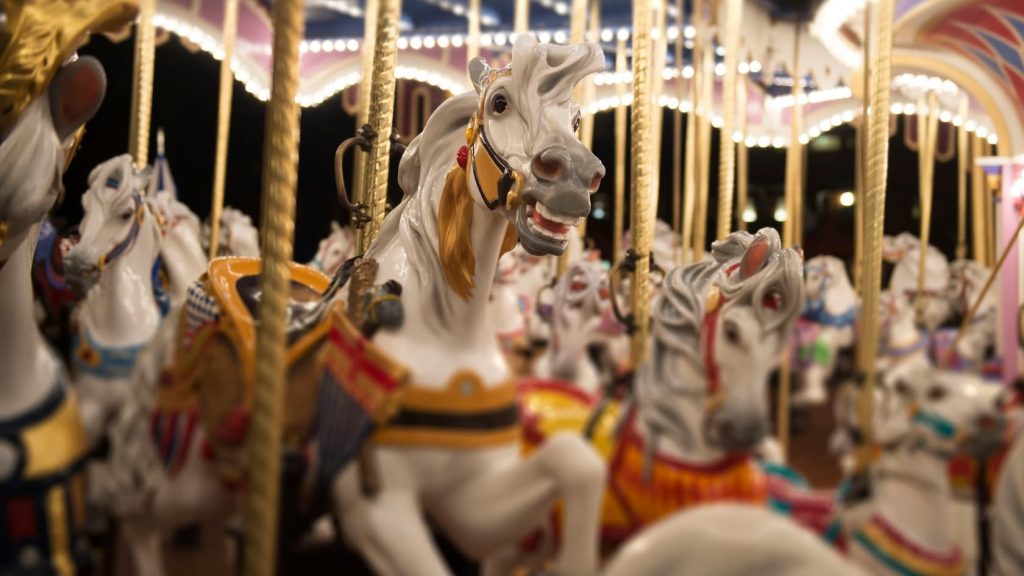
x,y
962,155
860,181
280,160
473,42
677,133
927,136
382,103
726,147
142,84
226,90
641,185
587,123
874,213
658,58
365,86
691,162
794,151
522,17
980,205
707,101
742,178
620,151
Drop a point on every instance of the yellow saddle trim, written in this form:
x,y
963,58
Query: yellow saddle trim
x,y
56,443
222,280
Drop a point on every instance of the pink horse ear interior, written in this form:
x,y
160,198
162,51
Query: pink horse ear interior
x,y
754,258
76,94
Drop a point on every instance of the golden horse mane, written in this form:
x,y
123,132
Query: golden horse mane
x,y
454,236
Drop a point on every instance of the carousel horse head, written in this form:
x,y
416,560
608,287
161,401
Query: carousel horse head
x,y
894,248
43,109
826,281
966,279
114,213
945,413
238,236
524,156
719,328
335,249
904,250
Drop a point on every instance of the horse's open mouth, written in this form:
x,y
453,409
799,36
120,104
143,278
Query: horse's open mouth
x,y
543,231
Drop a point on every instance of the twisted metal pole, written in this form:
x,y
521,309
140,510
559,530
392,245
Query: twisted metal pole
x,y
589,90
280,161
927,136
142,84
641,159
382,103
877,158
726,147
677,132
226,90
794,151
741,155
522,17
365,86
961,183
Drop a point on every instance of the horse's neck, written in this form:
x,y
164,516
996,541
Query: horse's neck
x,y
121,309
911,491
184,258
903,332
28,368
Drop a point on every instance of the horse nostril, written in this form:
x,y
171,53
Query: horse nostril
x,y
725,431
595,182
547,169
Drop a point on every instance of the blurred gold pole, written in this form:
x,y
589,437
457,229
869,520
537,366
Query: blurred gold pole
x,y
620,150
382,103
365,86
691,162
979,204
220,165
793,152
280,162
677,134
741,154
473,42
961,183
589,89
658,61
707,100
874,214
577,26
641,185
991,208
142,84
522,17
726,146
858,206
927,136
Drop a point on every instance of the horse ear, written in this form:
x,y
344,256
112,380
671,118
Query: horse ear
x,y
335,227
754,258
478,71
75,95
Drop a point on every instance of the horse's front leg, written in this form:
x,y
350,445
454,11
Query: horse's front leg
x,y
496,510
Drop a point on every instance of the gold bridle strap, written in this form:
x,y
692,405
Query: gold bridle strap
x,y
499,184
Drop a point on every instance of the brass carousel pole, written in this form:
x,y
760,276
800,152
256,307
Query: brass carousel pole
x,y
691,162
589,88
961,183
473,42
862,162
226,90
703,172
658,58
726,146
927,134
620,150
577,26
365,86
641,185
794,156
741,154
677,133
382,103
979,204
522,17
280,160
142,84
874,213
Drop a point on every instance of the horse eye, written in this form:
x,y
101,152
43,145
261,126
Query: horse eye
x,y
499,104
936,393
732,332
902,388
126,215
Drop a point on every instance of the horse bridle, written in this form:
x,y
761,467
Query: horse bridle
x,y
129,240
498,183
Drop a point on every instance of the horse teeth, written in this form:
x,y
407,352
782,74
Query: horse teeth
x,y
568,220
543,231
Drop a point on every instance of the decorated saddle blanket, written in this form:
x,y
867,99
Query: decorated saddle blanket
x,y
42,500
634,498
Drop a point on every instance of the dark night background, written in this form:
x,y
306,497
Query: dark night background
x,y
184,104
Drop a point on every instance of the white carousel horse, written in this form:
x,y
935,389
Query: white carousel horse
x,y
536,273
903,345
700,404
181,249
238,235
966,280
827,325
579,309
1008,513
666,245
442,244
42,442
118,251
727,540
335,249
904,250
506,312
904,527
